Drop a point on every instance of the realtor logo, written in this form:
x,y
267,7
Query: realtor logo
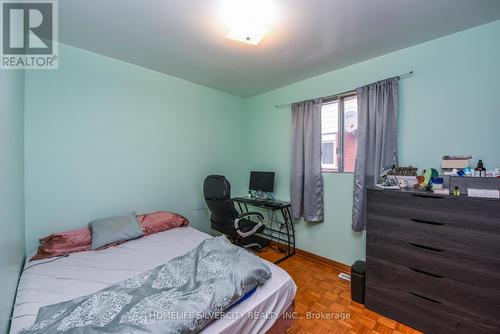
x,y
29,35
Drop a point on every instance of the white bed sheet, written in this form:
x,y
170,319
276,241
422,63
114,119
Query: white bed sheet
x,y
88,272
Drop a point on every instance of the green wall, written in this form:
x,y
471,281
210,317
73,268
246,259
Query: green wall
x,y
451,105
106,137
11,189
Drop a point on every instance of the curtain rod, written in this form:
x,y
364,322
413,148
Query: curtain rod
x,y
349,92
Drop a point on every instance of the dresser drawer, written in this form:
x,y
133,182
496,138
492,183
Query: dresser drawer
x,y
423,314
464,212
468,269
453,220
467,301
436,237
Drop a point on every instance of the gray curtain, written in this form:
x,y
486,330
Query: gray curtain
x,y
306,185
377,126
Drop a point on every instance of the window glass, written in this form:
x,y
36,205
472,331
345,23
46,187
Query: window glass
x,y
327,153
350,132
329,135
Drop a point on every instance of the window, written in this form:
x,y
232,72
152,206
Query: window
x,y
329,135
339,138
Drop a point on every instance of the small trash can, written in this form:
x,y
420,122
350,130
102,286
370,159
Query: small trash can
x,y
358,274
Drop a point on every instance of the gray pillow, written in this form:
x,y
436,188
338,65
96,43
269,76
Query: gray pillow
x,y
113,229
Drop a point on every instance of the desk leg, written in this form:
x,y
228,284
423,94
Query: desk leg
x,y
290,221
285,219
290,232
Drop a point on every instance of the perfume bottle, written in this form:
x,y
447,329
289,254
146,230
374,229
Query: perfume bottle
x,y
456,191
480,171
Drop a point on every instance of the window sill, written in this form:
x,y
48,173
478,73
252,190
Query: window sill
x,y
325,170
334,171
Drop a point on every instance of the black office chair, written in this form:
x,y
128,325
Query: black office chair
x,y
226,219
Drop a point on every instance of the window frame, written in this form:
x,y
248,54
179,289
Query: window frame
x,y
341,130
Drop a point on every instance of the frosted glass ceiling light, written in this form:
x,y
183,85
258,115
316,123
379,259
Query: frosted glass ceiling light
x,y
247,21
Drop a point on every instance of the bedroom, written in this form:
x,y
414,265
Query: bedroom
x,y
148,98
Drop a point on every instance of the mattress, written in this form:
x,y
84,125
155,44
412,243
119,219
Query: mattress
x,y
47,282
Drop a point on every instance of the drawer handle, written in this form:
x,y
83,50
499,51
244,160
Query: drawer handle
x,y
425,272
426,247
423,221
427,196
426,298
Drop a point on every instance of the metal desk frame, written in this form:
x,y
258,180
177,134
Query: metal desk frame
x,y
285,236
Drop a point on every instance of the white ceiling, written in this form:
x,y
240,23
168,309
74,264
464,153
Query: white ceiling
x,y
184,38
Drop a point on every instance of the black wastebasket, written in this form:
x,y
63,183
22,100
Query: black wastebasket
x,y
358,273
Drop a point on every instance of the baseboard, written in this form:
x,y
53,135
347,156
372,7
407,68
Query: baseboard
x,y
317,258
323,260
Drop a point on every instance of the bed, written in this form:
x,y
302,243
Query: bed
x,y
48,282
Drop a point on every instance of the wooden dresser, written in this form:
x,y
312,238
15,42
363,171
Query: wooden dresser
x,y
433,262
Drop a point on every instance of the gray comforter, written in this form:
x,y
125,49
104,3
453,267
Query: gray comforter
x,y
181,296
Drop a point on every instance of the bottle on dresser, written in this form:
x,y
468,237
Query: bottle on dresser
x,y
480,171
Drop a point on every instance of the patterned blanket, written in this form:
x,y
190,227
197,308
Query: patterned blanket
x,y
181,296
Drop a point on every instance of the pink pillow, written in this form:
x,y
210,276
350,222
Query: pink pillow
x,y
58,244
160,221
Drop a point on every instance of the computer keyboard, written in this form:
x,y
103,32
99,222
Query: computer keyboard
x,y
270,202
261,201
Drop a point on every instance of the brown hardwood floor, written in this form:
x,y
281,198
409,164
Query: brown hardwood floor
x,y
322,294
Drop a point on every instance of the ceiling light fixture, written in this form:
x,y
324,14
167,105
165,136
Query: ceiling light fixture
x,y
247,21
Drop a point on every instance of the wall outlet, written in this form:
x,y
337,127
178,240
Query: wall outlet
x,y
345,276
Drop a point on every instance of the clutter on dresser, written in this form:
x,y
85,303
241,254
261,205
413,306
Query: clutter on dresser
x,y
480,171
457,178
406,176
436,183
387,179
405,171
451,164
443,191
424,180
459,165
437,186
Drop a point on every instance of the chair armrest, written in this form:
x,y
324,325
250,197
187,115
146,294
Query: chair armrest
x,y
255,228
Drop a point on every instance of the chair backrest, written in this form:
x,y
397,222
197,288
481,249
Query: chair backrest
x,y
217,192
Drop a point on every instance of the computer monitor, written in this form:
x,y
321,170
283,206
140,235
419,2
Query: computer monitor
x,y
262,181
